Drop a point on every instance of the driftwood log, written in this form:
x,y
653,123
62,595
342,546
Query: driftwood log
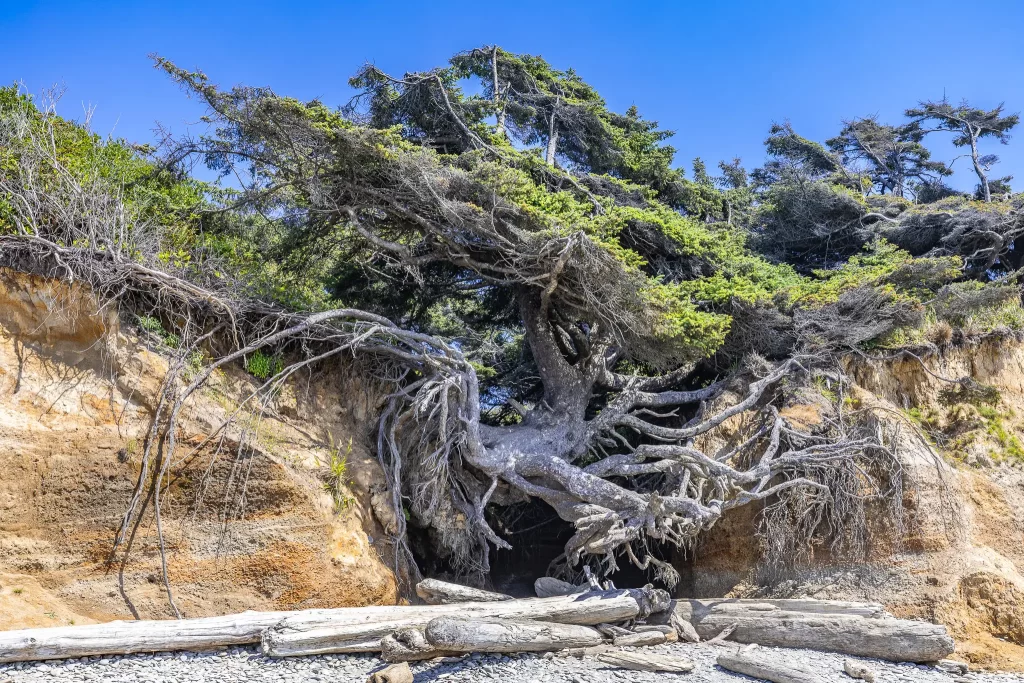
x,y
858,670
755,665
296,635
455,634
547,587
434,592
861,629
642,639
396,673
353,629
638,661
409,645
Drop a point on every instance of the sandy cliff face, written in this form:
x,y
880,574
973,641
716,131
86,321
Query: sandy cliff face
x,y
245,529
961,557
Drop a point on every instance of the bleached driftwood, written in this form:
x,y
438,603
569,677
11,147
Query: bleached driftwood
x,y
409,645
639,661
689,608
298,636
126,637
435,592
396,673
755,664
547,587
853,628
455,634
354,629
893,639
642,639
857,670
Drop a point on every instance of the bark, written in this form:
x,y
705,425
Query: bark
x,y
757,666
434,592
299,636
455,634
637,661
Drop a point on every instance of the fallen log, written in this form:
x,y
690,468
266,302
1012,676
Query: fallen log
x,y
642,639
637,661
367,625
757,666
547,587
687,609
127,637
455,634
892,639
853,628
435,592
296,635
409,645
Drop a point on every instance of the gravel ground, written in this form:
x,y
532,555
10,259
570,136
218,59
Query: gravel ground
x,y
240,664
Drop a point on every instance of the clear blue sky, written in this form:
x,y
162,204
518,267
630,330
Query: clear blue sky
x,y
716,72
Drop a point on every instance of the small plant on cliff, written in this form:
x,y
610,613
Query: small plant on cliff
x,y
262,366
336,479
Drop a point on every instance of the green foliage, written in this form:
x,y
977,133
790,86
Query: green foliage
x,y
336,481
262,366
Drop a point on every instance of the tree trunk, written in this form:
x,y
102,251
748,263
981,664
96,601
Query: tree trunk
x,y
499,108
298,636
982,176
456,634
549,153
434,592
758,667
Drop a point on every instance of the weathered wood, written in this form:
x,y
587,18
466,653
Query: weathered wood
x,y
857,670
366,626
297,635
951,666
121,637
547,587
455,634
642,639
637,661
755,664
409,645
396,673
690,610
893,639
435,592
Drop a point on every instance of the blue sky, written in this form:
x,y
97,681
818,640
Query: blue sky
x,y
718,73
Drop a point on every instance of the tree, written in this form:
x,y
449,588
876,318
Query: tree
x,y
894,155
616,296
969,126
